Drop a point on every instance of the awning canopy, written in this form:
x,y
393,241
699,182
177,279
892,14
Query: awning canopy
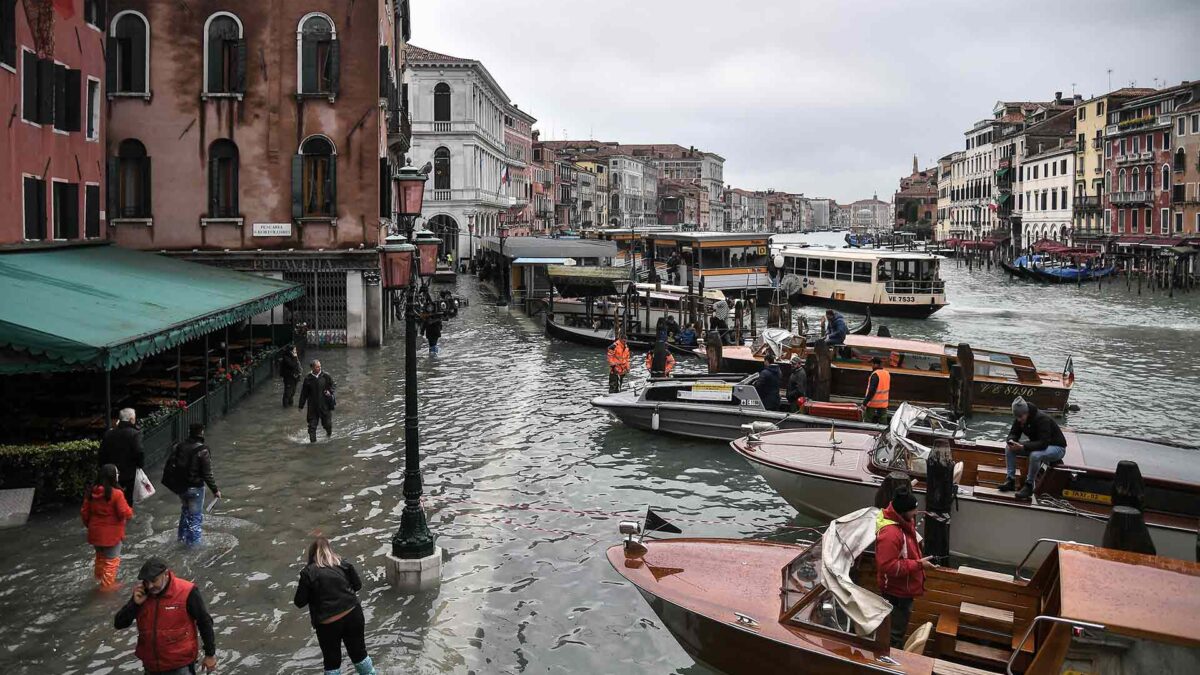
x,y
103,307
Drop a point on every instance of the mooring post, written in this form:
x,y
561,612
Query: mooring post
x,y
824,372
939,496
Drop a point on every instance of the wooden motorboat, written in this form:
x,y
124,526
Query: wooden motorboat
x,y
752,607
820,477
716,409
923,375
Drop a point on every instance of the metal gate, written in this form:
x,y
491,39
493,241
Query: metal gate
x,y
323,306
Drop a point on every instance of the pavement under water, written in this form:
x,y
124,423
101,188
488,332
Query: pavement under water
x,y
525,483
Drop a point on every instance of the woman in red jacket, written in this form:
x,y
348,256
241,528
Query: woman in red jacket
x,y
899,567
105,512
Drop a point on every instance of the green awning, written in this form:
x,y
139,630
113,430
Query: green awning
x,y
103,307
1002,172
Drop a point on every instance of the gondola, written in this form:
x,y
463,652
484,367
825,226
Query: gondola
x,y
1071,275
603,337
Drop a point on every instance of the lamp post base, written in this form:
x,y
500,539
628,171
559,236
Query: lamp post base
x,y
416,574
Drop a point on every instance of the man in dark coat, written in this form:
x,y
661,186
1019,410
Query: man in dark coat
x,y
289,370
768,382
317,391
122,447
1046,444
797,384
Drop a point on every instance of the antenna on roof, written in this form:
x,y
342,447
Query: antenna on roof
x,y
1110,79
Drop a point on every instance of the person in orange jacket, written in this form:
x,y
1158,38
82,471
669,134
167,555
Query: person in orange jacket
x,y
659,361
104,512
618,364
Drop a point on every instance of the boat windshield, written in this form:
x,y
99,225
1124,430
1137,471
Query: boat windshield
x,y
895,450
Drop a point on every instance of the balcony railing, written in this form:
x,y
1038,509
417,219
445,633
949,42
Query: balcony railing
x,y
1147,155
469,194
1087,203
1134,197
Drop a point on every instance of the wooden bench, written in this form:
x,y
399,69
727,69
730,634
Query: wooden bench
x,y
984,574
941,667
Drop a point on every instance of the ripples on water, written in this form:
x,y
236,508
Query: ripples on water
x,y
525,483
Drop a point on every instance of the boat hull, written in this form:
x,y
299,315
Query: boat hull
x,y
992,530
898,310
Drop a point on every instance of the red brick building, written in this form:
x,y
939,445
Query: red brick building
x,y
52,94
916,200
1185,166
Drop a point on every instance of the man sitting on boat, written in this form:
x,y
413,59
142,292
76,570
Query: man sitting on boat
x,y
659,361
899,566
876,401
835,328
797,386
1046,444
768,382
687,336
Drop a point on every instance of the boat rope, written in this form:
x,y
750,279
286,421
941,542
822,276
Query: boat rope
x,y
595,513
1064,505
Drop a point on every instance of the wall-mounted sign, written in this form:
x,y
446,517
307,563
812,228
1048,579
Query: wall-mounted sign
x,y
272,229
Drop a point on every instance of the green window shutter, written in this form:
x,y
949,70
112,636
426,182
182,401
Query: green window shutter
x,y
45,90
139,62
331,187
297,187
239,84
384,80
146,184
308,65
214,187
335,67
74,121
112,181
385,201
60,97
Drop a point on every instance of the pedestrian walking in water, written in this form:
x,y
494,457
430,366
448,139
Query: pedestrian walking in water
x,y
289,370
433,330
122,447
317,392
187,471
169,611
329,588
104,512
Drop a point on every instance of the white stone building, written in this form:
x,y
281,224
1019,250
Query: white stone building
x,y
633,191
458,120
1045,194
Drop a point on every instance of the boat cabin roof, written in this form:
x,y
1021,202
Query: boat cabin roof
x,y
1131,593
856,253
1155,460
896,344
759,238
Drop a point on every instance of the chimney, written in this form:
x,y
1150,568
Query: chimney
x,y
1058,97
1039,148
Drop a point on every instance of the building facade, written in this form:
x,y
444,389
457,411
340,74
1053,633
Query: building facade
x,y
1138,156
52,89
1090,120
1046,195
271,157
945,171
916,200
459,115
518,182
1185,167
870,216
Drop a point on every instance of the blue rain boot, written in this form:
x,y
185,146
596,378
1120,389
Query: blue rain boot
x,y
365,667
335,671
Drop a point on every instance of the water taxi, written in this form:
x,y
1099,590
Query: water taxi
x,y
888,283
756,606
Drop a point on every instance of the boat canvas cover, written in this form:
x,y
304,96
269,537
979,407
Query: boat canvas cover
x,y
845,539
776,339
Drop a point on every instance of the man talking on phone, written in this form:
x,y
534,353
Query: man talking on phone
x,y
899,566
169,611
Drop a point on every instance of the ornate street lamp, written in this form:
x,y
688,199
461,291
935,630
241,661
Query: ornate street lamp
x,y
410,263
505,267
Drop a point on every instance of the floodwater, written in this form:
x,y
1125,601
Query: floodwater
x,y
525,484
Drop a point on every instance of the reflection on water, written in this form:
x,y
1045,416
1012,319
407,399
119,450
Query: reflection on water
x,y
525,483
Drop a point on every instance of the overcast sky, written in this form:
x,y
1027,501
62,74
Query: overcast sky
x,y
828,98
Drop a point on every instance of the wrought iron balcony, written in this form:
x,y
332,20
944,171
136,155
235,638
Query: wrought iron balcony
x,y
1133,197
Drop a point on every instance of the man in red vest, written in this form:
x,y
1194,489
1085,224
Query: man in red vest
x,y
899,565
168,611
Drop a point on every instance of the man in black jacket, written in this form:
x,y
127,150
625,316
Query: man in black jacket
x,y
1046,444
122,447
317,391
194,458
797,384
289,370
768,382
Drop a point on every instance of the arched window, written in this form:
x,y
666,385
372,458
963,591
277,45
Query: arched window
x,y
1108,181
128,58
129,192
1166,178
318,56
223,179
1180,160
1149,175
441,102
1133,180
224,55
314,179
1121,181
441,169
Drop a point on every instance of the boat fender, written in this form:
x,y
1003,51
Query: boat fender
x,y
654,419
1073,408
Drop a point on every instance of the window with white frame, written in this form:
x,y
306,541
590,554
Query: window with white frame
x,y
318,55
1164,220
128,58
224,55
8,34
93,109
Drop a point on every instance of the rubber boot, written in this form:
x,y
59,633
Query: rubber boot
x,y
365,667
335,671
98,566
109,581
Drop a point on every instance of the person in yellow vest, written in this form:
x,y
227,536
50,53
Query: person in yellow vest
x,y
618,364
876,400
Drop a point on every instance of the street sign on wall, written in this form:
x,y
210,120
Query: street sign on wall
x,y
271,230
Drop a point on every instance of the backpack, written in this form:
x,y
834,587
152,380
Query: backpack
x,y
175,471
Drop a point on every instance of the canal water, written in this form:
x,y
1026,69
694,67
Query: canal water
x,y
525,485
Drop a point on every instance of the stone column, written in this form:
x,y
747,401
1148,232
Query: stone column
x,y
374,310
356,316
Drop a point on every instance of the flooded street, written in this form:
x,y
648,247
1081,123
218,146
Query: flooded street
x,y
525,483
